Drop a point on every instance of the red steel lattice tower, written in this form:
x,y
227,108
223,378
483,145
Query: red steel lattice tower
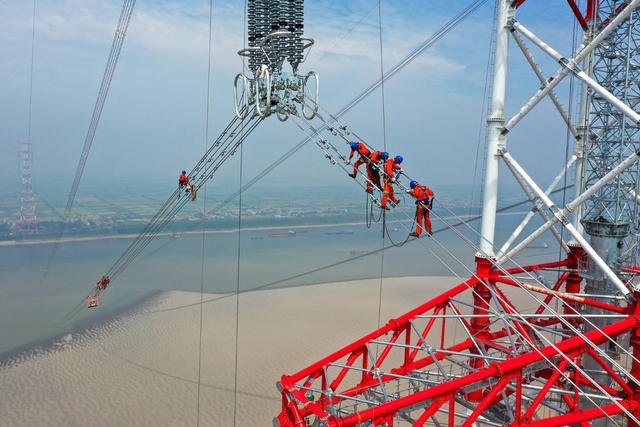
x,y
28,217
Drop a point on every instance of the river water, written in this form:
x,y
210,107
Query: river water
x,y
32,307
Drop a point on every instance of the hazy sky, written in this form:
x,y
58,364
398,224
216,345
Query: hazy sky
x,y
153,122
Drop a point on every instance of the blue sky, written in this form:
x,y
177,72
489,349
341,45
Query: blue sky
x,y
153,123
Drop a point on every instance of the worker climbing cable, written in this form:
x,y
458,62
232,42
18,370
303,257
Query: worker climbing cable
x,y
424,203
103,283
391,170
183,181
376,159
364,153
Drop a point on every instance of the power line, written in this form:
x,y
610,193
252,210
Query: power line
x,y
33,40
351,259
204,212
112,61
384,141
226,145
237,331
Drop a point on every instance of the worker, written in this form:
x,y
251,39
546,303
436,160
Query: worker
x,y
391,167
424,203
183,181
105,281
364,156
376,161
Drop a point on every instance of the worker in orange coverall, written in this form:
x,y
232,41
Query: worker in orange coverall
x,y
424,203
364,156
182,179
376,160
391,167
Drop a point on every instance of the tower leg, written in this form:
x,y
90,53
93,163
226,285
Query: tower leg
x,y
495,122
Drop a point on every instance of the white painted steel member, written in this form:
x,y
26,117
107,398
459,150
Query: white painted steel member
x,y
582,53
495,122
571,206
533,210
518,170
613,100
538,72
581,139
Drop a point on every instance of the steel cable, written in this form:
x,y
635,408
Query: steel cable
x,y
346,260
237,331
515,279
499,267
217,154
204,213
471,244
114,55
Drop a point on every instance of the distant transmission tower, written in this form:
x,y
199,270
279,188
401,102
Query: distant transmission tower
x,y
28,217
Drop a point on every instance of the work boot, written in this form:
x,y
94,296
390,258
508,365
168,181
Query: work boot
x,y
369,190
385,207
352,175
414,234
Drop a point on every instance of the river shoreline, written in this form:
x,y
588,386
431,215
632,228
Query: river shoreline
x,y
6,243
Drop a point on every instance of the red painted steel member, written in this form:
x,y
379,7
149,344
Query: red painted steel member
x,y
373,173
364,156
424,203
390,168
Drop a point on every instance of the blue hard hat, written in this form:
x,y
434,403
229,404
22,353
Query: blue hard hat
x,y
184,171
413,184
398,159
354,145
385,156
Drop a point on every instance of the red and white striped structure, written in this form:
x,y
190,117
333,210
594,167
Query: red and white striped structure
x,y
513,345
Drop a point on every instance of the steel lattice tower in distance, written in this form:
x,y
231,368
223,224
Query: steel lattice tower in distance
x,y
28,217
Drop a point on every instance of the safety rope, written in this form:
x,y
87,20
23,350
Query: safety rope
x,y
369,215
204,213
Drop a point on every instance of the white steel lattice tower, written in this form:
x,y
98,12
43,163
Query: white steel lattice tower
x,y
612,212
611,215
28,217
